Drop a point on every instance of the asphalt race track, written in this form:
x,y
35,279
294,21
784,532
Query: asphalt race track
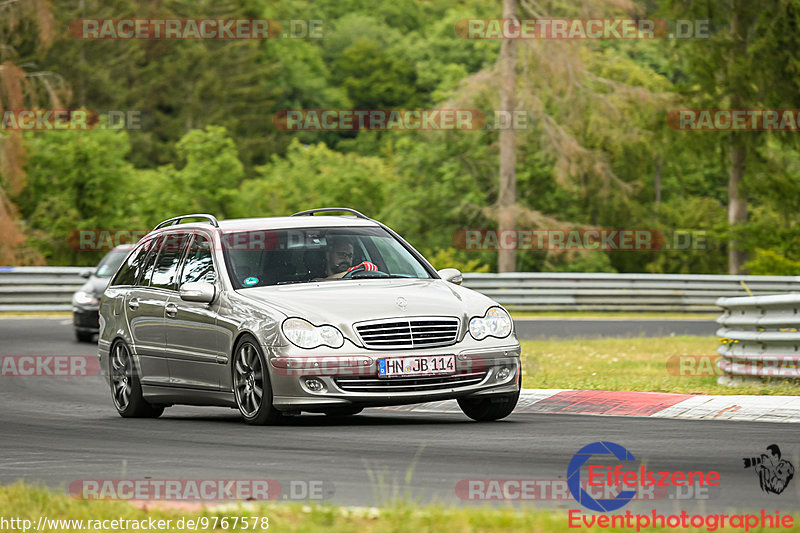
x,y
58,430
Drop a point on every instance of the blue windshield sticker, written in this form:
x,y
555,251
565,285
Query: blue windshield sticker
x,y
250,281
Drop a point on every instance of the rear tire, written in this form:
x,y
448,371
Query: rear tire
x,y
489,408
251,385
126,390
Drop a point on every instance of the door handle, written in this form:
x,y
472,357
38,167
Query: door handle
x,y
133,304
171,309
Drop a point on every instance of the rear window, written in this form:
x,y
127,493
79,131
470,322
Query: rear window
x,y
150,263
131,269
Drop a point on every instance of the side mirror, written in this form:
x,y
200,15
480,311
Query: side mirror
x,y
198,291
86,273
453,275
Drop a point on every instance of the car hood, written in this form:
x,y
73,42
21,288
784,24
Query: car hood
x,y
95,285
344,302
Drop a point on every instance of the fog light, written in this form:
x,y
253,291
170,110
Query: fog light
x,y
314,385
503,374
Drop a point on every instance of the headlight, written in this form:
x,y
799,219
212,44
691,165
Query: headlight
x,y
495,323
85,298
304,334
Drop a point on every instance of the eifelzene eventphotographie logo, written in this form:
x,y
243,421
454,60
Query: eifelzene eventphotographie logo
x,y
774,472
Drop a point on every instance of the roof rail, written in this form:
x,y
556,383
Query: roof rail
x,y
312,212
177,220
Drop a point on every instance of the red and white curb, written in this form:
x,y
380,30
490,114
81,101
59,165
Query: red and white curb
x,y
650,404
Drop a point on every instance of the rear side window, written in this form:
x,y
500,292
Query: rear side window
x,y
132,268
150,262
165,272
199,266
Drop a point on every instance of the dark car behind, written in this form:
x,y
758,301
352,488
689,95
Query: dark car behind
x,y
86,300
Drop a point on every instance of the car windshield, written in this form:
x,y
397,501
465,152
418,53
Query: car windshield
x,y
274,257
110,263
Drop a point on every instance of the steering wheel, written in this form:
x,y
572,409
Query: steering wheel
x,y
364,266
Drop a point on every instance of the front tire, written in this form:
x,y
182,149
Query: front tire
x,y
83,336
251,385
489,408
126,390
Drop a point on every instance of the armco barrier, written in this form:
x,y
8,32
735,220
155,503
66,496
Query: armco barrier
x,y
51,288
761,336
38,288
622,292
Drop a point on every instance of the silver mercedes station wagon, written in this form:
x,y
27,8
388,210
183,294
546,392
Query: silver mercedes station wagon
x,y
306,313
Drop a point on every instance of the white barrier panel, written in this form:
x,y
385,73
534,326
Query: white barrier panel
x,y
761,337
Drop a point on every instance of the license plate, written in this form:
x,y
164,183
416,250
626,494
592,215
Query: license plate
x,y
416,365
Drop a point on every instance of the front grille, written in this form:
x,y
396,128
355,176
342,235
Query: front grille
x,y
408,333
415,384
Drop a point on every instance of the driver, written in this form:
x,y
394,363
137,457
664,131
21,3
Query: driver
x,y
339,258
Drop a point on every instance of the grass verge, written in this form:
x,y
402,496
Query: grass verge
x,y
636,364
24,502
30,503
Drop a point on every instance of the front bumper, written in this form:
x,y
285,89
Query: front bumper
x,y
86,318
478,373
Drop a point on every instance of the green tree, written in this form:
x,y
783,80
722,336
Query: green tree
x,y
374,78
26,31
74,182
750,41
205,183
314,176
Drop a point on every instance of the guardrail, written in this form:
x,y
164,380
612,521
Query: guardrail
x,y
51,288
622,292
38,288
761,336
